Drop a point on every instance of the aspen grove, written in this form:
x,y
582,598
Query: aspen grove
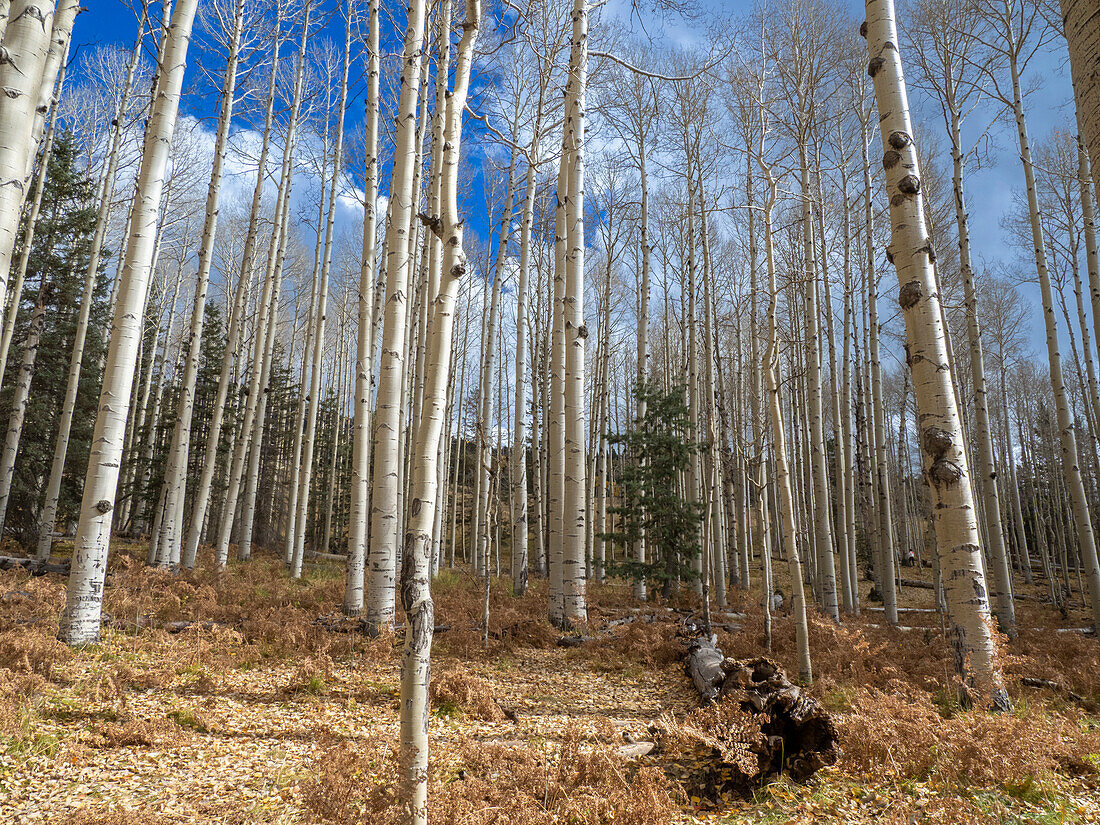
x,y
549,411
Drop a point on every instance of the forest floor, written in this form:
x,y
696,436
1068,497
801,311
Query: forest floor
x,y
257,713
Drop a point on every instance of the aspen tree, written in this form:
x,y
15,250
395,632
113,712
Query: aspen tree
x,y
415,563
48,518
574,331
83,601
201,499
484,415
945,55
385,513
364,351
884,555
1018,34
49,93
779,446
519,526
1081,26
802,65
252,470
941,444
175,473
322,300
30,348
26,43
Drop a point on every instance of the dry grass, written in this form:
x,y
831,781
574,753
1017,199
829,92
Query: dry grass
x,y
453,690
891,693
482,783
910,739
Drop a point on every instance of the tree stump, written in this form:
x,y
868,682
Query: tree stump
x,y
754,724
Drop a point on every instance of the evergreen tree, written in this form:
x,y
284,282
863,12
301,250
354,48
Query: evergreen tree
x,y
55,274
658,452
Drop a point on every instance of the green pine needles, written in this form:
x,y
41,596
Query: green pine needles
x,y
658,451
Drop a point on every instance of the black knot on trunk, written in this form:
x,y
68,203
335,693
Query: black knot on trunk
x,y
943,471
910,294
889,255
890,159
874,66
863,29
937,441
104,507
582,331
899,140
909,185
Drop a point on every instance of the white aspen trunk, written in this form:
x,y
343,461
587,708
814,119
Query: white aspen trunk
x,y
201,500
574,331
364,352
958,542
149,428
1066,428
26,43
169,534
851,567
884,559
385,513
252,477
19,402
819,472
519,426
300,412
779,451
83,602
31,223
319,332
416,596
48,519
555,426
642,378
30,350
1003,606
693,474
1081,25
57,54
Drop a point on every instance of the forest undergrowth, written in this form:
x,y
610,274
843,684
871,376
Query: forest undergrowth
x,y
244,698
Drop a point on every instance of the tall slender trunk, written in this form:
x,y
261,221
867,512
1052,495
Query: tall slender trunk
x,y
779,451
364,351
213,438
823,534
416,596
169,537
48,519
83,601
1068,439
946,470
26,44
1003,605
322,303
385,512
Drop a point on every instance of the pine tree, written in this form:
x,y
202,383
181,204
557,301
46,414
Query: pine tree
x,y
59,256
659,450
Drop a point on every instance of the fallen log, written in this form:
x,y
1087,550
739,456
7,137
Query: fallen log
x,y
755,724
34,566
917,583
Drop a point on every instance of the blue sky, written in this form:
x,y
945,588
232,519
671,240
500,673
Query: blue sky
x,y
990,187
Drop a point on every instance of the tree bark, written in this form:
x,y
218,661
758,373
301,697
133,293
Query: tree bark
x,y
83,601
945,464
